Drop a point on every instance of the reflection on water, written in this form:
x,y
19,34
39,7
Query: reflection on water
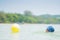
x,y
14,36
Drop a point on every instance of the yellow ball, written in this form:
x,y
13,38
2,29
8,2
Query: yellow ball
x,y
15,28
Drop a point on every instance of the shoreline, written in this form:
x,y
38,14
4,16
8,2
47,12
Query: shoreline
x,y
24,23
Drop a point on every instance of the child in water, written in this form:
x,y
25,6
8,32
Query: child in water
x,y
50,29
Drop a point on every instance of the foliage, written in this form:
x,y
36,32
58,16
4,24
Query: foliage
x,y
27,17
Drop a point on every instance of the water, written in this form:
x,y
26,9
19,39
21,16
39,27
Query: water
x,y
29,32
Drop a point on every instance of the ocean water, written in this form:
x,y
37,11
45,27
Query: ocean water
x,y
29,32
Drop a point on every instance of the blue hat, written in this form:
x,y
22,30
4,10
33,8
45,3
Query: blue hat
x,y
50,29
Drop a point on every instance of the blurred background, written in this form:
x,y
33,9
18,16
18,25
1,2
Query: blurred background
x,y
32,18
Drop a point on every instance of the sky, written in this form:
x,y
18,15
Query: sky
x,y
37,7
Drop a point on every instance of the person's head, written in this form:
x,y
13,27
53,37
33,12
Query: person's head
x,y
50,29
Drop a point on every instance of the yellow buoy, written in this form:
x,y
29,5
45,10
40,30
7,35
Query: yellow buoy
x,y
15,28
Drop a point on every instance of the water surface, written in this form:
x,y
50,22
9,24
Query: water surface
x,y
29,32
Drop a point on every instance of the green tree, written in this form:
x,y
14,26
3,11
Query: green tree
x,y
27,13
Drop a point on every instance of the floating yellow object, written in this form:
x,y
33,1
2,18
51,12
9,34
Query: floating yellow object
x,y
15,28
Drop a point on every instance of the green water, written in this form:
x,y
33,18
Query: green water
x,y
29,32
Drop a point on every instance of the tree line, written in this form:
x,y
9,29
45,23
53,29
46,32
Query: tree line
x,y
28,17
